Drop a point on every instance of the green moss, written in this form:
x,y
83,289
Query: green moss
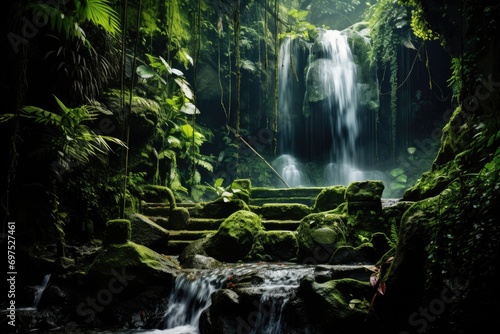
x,y
118,231
235,236
320,233
330,198
135,263
364,191
285,211
275,246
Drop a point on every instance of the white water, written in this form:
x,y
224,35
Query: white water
x,y
334,73
279,286
191,293
189,298
39,289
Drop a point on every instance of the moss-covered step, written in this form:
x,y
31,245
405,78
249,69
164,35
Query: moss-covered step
x,y
261,195
175,247
189,235
162,209
284,211
273,225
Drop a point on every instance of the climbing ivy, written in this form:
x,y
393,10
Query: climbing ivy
x,y
419,24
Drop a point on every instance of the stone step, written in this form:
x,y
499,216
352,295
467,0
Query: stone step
x,y
175,247
189,235
288,225
180,239
307,195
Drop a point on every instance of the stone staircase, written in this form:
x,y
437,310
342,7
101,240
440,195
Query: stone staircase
x,y
281,210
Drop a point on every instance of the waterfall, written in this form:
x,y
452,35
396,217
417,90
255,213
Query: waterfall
x,y
279,285
39,289
324,126
273,283
189,298
337,77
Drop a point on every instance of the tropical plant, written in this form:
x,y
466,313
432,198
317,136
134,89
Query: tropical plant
x,y
69,17
66,142
180,140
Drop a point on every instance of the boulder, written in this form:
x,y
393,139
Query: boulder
x,y
364,207
330,198
146,232
198,261
319,235
330,307
118,231
235,236
275,246
128,268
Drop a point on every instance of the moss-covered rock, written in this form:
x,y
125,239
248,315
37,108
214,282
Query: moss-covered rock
x,y
148,233
235,236
330,198
364,191
336,306
158,194
178,219
362,254
275,246
284,211
319,235
364,209
133,266
118,231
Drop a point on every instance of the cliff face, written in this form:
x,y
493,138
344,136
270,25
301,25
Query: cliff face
x,y
447,256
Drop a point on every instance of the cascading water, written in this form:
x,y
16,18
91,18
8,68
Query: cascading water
x,y
337,79
191,294
279,285
324,127
39,289
189,298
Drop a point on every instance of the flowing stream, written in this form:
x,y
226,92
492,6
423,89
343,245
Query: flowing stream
x,y
274,283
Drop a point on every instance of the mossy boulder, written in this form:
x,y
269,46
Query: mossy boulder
x,y
332,307
131,266
158,194
319,235
330,198
366,253
275,246
284,211
235,236
364,208
148,233
364,191
118,231
178,219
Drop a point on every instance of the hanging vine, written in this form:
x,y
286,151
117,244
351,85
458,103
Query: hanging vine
x,y
388,24
276,73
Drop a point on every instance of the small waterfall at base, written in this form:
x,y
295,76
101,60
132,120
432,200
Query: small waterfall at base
x,y
278,287
189,298
273,283
39,289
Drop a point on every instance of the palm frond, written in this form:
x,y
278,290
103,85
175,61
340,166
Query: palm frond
x,y
100,13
